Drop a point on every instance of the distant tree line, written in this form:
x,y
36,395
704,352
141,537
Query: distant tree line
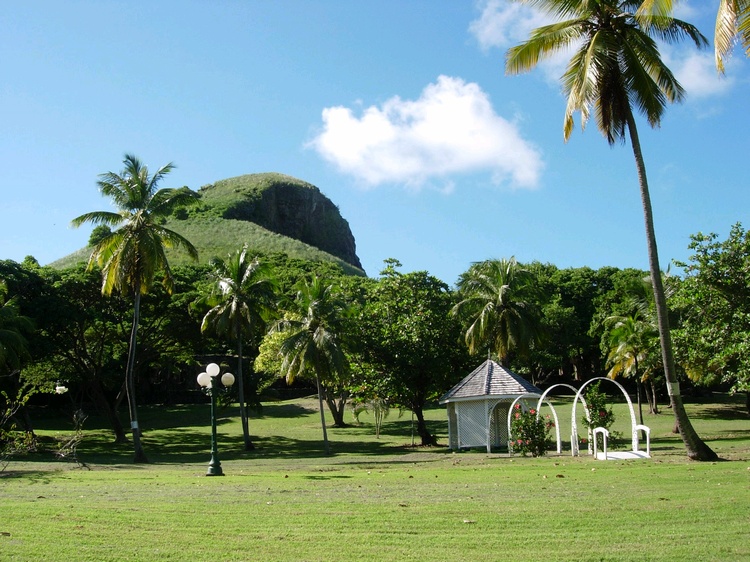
x,y
401,339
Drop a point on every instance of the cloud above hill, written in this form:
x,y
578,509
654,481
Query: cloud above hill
x,y
450,129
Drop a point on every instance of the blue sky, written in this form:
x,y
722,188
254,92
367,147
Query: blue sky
x,y
399,111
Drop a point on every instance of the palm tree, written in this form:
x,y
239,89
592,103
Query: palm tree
x,y
732,25
243,296
632,342
131,256
617,65
312,345
13,345
499,320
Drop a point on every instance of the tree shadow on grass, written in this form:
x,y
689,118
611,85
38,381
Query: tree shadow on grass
x,y
283,411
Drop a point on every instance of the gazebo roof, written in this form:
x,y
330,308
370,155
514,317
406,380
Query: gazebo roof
x,y
490,379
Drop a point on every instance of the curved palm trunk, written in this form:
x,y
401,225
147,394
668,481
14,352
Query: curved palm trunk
x,y
140,456
241,391
696,448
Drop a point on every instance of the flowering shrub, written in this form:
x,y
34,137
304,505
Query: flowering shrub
x,y
601,414
529,433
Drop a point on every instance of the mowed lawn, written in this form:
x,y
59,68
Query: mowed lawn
x,y
374,499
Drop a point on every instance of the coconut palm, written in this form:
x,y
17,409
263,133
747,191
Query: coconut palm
x,y
131,255
732,25
312,346
243,297
13,345
617,65
499,320
632,342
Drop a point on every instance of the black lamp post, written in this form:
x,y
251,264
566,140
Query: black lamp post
x,y
210,384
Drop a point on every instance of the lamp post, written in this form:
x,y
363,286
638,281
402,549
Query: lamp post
x,y
210,384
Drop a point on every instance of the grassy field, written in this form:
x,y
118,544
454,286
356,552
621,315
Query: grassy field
x,y
373,499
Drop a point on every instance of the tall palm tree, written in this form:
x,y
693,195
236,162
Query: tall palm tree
x,y
13,345
616,66
312,345
500,321
243,296
131,256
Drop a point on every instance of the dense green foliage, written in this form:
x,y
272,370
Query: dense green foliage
x,y
409,349
714,304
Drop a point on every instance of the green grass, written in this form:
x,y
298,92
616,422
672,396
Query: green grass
x,y
374,499
215,236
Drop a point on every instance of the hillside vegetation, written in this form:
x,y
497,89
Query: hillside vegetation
x,y
270,213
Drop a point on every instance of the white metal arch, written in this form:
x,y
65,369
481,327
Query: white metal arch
x,y
542,398
579,396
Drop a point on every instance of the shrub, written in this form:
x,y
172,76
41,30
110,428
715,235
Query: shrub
x,y
529,433
601,414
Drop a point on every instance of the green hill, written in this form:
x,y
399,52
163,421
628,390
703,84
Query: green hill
x,y
270,213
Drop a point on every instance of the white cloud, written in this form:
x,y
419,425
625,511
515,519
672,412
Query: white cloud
x,y
697,73
503,24
451,129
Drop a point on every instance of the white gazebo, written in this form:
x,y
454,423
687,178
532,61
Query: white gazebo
x,y
478,406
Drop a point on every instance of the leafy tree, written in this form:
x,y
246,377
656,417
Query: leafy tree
x,y
493,302
617,65
83,338
13,325
313,346
713,341
99,233
131,255
243,296
567,301
407,351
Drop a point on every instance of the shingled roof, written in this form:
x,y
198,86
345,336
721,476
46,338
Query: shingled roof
x,y
490,379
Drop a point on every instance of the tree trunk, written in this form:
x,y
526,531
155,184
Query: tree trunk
x,y
336,407
649,397
241,392
140,456
109,412
427,438
640,402
696,448
654,397
322,415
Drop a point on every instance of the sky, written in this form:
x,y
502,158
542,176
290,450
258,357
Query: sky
x,y
399,111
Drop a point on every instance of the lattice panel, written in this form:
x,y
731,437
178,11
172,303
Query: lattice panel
x,y
472,428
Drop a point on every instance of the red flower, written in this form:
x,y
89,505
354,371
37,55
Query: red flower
x,y
532,411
